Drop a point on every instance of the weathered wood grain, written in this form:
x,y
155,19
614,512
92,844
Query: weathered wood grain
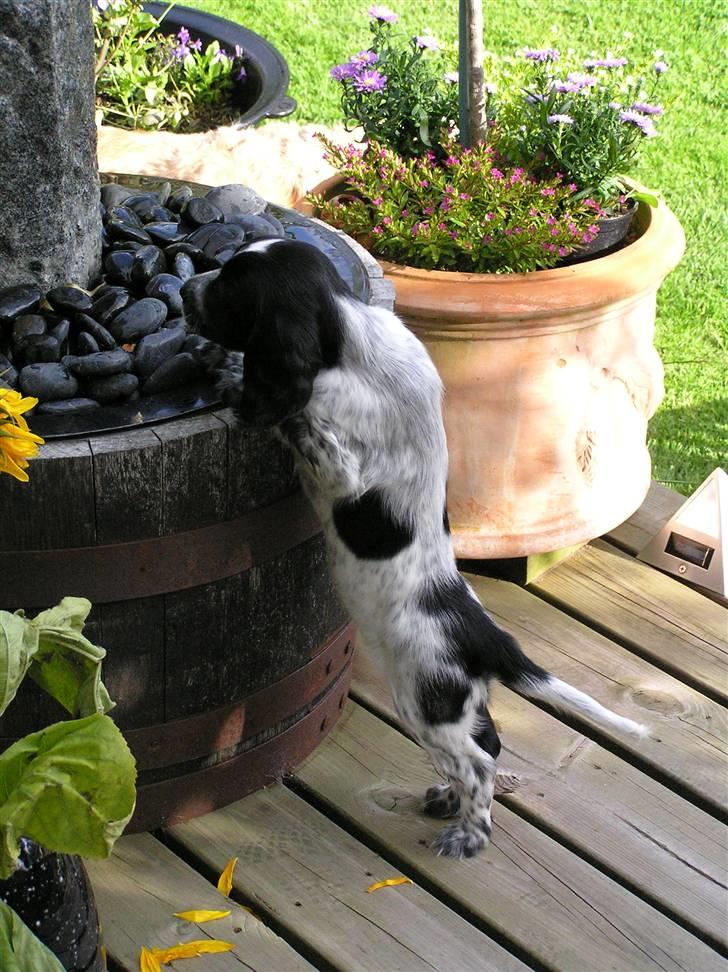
x,y
276,613
55,509
143,884
260,469
654,615
600,806
128,496
561,910
312,878
194,476
688,731
128,485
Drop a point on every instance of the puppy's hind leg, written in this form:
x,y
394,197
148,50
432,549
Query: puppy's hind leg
x,y
458,733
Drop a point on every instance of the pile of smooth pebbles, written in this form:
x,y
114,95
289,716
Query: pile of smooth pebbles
x,y
76,350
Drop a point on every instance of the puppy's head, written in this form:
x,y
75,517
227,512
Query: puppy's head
x,y
275,301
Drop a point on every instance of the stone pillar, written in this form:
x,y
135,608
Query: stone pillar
x,y
49,216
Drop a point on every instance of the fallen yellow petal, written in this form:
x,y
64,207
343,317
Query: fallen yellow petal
x,y
148,962
389,883
225,881
199,916
190,950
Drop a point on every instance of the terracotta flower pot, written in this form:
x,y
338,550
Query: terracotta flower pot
x,y
550,378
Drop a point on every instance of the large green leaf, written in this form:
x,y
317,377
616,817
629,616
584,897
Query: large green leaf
x,y
20,950
68,665
53,651
69,787
18,645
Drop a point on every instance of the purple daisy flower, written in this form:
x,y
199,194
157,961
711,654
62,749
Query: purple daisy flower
x,y
427,42
452,77
660,67
341,72
642,122
566,87
384,14
582,80
645,109
544,54
368,81
363,59
606,62
560,120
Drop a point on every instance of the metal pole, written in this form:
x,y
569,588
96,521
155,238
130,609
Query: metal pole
x,y
464,73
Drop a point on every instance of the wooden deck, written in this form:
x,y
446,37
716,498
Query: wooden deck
x,y
607,854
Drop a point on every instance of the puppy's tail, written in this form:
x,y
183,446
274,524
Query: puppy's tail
x,y
519,673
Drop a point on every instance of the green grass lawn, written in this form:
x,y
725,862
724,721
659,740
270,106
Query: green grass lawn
x,y
687,164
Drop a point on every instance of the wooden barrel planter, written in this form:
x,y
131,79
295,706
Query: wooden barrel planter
x,y
228,653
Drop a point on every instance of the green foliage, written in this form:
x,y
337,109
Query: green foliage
x,y
52,650
586,117
687,162
463,213
147,80
69,787
409,104
20,950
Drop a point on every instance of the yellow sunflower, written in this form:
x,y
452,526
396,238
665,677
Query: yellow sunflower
x,y
17,442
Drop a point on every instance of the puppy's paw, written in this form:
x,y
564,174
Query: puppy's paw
x,y
441,801
460,840
229,378
210,355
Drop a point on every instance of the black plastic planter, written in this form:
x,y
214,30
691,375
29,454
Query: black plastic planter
x,y
613,232
53,896
264,93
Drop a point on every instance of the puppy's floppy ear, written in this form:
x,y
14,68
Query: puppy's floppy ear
x,y
283,357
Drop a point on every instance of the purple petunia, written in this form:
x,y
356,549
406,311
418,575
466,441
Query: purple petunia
x,y
560,120
645,109
606,62
368,81
641,121
545,54
384,14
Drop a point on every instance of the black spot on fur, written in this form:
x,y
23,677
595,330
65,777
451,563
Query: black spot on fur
x,y
368,528
481,647
487,737
442,698
445,520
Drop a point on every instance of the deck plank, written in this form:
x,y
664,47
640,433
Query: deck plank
x,y
602,807
659,505
140,887
688,731
653,614
312,876
562,911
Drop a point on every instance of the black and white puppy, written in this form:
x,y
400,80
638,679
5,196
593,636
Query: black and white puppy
x,y
358,400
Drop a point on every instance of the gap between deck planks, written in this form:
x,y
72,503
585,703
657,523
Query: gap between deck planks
x,y
605,810
143,884
652,614
310,877
533,891
688,741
